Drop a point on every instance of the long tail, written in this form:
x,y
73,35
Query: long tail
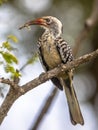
x,y
74,109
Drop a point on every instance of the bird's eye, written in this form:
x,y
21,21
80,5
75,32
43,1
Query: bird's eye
x,y
48,20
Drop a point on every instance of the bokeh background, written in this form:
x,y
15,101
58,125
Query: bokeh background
x,y
25,110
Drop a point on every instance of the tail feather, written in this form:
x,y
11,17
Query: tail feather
x,y
74,109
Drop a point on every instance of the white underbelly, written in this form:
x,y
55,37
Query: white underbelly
x,y
51,56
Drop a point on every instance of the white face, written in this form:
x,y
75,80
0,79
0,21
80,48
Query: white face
x,y
54,25
56,20
59,24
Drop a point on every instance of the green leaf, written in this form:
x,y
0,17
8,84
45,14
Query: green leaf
x,y
7,45
17,74
9,58
13,38
9,68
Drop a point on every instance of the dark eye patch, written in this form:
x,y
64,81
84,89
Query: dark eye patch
x,y
48,20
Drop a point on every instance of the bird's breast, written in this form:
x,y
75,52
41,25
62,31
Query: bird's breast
x,y
50,54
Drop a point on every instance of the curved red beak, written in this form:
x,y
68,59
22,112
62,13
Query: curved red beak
x,y
39,21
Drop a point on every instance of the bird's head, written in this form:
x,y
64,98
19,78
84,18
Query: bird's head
x,y
50,23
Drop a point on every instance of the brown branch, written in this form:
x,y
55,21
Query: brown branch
x,y
54,72
10,98
16,91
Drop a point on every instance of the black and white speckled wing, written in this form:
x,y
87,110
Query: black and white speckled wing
x,y
64,50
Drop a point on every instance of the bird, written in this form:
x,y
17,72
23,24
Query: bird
x,y
54,50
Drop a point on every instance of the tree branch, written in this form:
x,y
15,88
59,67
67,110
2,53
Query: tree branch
x,y
15,90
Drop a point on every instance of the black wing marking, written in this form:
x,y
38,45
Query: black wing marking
x,y
57,83
64,50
